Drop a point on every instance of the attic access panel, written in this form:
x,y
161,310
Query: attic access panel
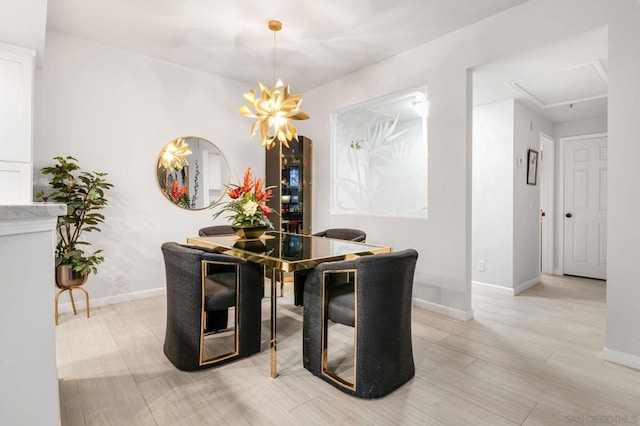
x,y
572,85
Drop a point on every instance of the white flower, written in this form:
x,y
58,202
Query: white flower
x,y
249,208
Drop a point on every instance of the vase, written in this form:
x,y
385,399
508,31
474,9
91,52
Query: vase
x,y
67,277
249,232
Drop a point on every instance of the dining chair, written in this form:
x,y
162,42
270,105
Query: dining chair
x,y
216,230
201,287
377,303
338,233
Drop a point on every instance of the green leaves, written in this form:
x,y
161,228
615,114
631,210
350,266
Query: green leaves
x,y
84,194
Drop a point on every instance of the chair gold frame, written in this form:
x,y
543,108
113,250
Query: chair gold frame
x,y
325,322
203,315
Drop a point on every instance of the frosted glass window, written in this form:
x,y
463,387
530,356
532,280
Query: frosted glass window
x,y
379,156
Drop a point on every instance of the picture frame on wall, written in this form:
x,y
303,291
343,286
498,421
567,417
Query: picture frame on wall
x,y
532,167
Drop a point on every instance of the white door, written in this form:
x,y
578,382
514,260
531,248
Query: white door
x,y
585,207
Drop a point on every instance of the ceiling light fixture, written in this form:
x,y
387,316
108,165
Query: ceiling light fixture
x,y
275,108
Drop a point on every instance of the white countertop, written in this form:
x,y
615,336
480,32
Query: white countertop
x,y
33,211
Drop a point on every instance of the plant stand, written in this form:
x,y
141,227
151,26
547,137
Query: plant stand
x,y
67,279
73,303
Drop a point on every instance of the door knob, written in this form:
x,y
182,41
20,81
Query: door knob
x,y
568,215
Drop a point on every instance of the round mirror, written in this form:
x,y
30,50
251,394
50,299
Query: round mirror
x,y
192,172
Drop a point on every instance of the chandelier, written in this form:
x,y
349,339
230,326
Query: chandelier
x,y
275,108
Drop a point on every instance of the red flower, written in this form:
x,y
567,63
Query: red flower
x,y
248,181
261,195
266,210
177,191
174,190
235,193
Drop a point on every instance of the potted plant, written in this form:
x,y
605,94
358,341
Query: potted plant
x,y
84,194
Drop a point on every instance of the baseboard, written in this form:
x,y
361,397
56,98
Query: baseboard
x,y
442,309
623,358
524,286
506,290
109,300
501,289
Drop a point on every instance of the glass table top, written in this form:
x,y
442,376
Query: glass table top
x,y
288,252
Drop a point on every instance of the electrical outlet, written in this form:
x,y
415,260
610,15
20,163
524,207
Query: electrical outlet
x,y
481,266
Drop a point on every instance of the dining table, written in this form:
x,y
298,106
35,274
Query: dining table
x,y
281,252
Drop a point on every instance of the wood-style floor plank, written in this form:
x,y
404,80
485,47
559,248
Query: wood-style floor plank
x,y
533,359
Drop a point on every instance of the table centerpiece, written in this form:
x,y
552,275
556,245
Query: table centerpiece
x,y
248,208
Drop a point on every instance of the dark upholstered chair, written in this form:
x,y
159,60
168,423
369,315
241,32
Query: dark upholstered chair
x,y
383,355
337,233
343,234
215,230
229,281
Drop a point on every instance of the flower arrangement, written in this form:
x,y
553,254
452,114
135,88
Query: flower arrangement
x,y
178,194
248,205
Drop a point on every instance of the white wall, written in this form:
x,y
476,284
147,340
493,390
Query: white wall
x,y
623,291
526,200
114,111
580,127
493,191
443,273
505,208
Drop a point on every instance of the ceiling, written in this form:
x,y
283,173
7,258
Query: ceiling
x,y
562,81
320,40
323,41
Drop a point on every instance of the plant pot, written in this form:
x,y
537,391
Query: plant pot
x,y
67,277
249,232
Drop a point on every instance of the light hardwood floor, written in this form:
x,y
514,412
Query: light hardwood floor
x,y
534,359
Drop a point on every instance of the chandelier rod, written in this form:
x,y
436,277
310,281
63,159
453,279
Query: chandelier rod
x,y
275,26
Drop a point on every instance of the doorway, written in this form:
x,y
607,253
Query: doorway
x,y
584,222
517,230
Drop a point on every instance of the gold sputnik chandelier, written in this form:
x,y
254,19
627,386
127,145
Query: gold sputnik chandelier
x,y
275,108
173,156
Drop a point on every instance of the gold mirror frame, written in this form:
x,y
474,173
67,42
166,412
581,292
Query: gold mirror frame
x,y
192,172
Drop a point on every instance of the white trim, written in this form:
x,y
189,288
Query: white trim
x,y
499,288
586,136
623,358
507,290
110,300
548,181
18,49
525,286
443,309
560,239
